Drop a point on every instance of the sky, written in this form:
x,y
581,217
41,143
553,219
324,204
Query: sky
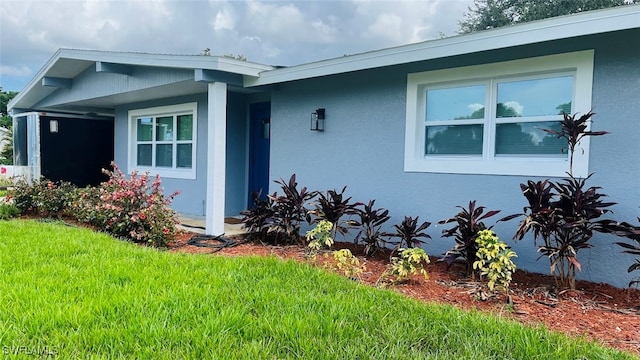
x,y
269,32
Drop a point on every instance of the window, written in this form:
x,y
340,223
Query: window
x,y
163,139
488,119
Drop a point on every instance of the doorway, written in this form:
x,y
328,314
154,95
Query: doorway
x,y
259,140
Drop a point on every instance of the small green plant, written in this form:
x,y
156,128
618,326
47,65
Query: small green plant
x,y
8,211
409,262
494,260
320,236
347,264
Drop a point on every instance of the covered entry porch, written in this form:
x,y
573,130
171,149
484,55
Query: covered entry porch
x,y
185,118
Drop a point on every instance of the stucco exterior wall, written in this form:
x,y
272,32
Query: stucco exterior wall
x,y
363,148
192,196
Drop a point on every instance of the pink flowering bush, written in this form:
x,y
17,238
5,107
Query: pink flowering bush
x,y
133,207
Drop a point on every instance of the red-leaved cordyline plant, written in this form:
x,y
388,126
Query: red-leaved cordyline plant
x,y
133,208
334,207
633,233
564,214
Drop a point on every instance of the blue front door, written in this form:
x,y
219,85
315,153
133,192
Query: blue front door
x,y
260,131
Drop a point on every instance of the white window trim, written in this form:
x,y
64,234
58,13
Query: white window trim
x,y
580,63
191,108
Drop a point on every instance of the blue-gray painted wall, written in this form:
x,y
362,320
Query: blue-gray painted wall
x,y
363,147
193,192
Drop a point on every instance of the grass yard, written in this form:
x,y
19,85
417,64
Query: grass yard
x,y
80,294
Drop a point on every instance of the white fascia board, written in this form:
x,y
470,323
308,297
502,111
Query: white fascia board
x,y
588,23
169,60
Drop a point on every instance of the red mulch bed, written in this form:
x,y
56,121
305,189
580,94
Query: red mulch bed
x,y
600,312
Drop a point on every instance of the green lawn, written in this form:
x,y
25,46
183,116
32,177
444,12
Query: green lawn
x,y
80,294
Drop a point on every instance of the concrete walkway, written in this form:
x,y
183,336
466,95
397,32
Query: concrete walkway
x,y
196,224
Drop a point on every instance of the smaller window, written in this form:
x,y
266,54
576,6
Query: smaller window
x,y
163,140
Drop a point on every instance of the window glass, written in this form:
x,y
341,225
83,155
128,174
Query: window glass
x,y
458,103
185,127
144,154
454,140
529,139
184,156
537,97
145,129
164,128
164,155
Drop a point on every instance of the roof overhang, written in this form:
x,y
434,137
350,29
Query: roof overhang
x,y
66,64
564,27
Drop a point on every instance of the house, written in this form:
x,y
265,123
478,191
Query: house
x,y
421,128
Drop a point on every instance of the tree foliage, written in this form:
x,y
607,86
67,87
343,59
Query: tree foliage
x,y
6,134
491,14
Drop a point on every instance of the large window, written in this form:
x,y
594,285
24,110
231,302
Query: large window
x,y
162,140
489,119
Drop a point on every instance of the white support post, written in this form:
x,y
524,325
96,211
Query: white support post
x,y
216,157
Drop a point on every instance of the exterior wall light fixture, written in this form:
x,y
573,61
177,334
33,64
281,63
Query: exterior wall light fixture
x,y
317,120
53,126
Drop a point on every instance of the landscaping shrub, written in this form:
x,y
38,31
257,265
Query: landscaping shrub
x,y
289,211
333,207
633,233
347,264
564,214
370,221
409,233
409,262
468,224
8,211
133,208
494,260
42,197
320,236
257,220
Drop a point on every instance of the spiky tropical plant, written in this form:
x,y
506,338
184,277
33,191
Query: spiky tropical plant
x,y
334,207
370,220
564,214
633,233
410,233
573,130
257,219
290,210
468,224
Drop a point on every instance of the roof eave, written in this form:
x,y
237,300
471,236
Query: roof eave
x,y
243,68
588,23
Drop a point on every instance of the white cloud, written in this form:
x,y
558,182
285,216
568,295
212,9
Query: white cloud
x,y
272,32
224,20
515,106
475,107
